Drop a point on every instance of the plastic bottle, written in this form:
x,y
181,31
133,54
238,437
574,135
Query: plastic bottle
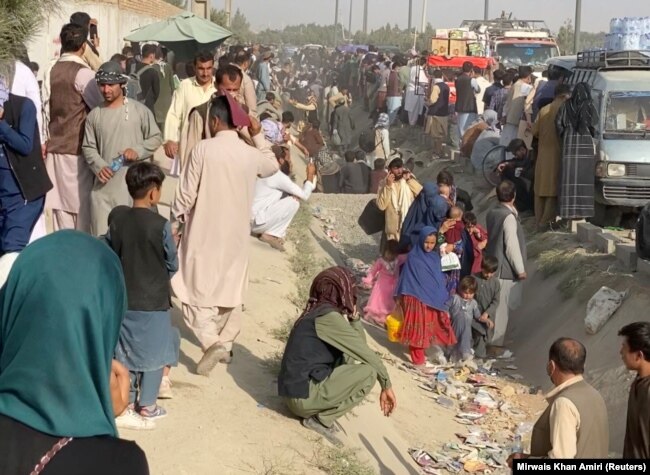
x,y
117,163
517,447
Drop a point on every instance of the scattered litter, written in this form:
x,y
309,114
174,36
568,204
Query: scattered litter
x,y
274,281
506,355
511,367
474,466
261,406
445,402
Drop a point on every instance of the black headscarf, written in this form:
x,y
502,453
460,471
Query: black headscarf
x,y
580,111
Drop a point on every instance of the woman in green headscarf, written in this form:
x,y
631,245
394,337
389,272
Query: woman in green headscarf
x,y
60,390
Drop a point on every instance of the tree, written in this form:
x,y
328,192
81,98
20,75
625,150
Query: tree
x,y
240,28
566,35
177,3
220,17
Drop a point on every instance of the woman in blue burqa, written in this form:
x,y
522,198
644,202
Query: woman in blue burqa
x,y
431,208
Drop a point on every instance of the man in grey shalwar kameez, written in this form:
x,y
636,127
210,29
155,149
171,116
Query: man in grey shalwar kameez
x,y
117,127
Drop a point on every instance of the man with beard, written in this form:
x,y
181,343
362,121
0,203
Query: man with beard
x,y
228,79
396,194
190,93
117,128
277,200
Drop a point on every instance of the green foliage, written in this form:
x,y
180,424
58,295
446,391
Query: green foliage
x,y
176,3
566,35
220,17
20,20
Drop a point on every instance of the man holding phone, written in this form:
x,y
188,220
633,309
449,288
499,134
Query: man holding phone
x,y
91,54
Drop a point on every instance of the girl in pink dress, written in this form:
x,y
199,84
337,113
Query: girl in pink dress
x,y
384,275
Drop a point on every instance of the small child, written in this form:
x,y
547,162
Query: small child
x,y
455,234
148,343
464,311
487,298
384,274
454,240
479,238
424,299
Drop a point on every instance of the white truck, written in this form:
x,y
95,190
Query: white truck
x,y
511,42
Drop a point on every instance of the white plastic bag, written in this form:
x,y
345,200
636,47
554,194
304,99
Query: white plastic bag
x,y
450,262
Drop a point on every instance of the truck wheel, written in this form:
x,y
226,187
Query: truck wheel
x,y
605,216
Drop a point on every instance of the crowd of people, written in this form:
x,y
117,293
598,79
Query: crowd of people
x,y
82,148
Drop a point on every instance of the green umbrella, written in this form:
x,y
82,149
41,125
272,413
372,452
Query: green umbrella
x,y
184,34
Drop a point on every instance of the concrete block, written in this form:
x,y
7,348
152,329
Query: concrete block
x,y
606,243
626,255
587,232
643,266
574,224
454,154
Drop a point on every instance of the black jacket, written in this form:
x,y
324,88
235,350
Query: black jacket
x,y
29,170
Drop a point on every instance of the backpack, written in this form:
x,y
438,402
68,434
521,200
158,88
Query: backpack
x,y
643,233
368,141
133,88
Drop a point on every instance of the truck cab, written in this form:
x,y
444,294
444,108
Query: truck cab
x,y
620,88
513,43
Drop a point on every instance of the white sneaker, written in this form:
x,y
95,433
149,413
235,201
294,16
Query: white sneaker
x,y
133,421
165,391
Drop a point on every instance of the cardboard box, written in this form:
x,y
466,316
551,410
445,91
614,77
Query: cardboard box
x,y
441,33
439,46
457,47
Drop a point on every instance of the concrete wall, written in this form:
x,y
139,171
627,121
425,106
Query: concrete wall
x,y
117,18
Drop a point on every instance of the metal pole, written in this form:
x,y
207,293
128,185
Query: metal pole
x,y
228,13
350,20
486,12
424,15
365,17
576,35
410,14
336,23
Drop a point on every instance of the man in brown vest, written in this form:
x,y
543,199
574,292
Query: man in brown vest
x,y
574,425
72,94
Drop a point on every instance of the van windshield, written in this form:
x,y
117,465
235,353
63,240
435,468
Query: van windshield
x,y
513,55
628,112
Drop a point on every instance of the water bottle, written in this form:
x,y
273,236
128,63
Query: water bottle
x,y
517,447
117,163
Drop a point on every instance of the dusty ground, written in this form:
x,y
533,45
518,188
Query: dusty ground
x,y
233,422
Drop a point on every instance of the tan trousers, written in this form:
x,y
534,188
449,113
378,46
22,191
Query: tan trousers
x,y
212,324
545,209
65,220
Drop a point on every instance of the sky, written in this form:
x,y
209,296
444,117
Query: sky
x,y
276,14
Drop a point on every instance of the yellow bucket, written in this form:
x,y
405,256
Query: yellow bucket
x,y
393,327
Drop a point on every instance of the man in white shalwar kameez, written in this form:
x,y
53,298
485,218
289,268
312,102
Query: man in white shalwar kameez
x,y
277,200
415,91
211,215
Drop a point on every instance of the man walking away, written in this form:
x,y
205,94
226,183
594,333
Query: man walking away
x,y
353,180
507,243
438,113
574,425
635,352
166,90
466,90
73,93
212,278
489,91
148,77
549,160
